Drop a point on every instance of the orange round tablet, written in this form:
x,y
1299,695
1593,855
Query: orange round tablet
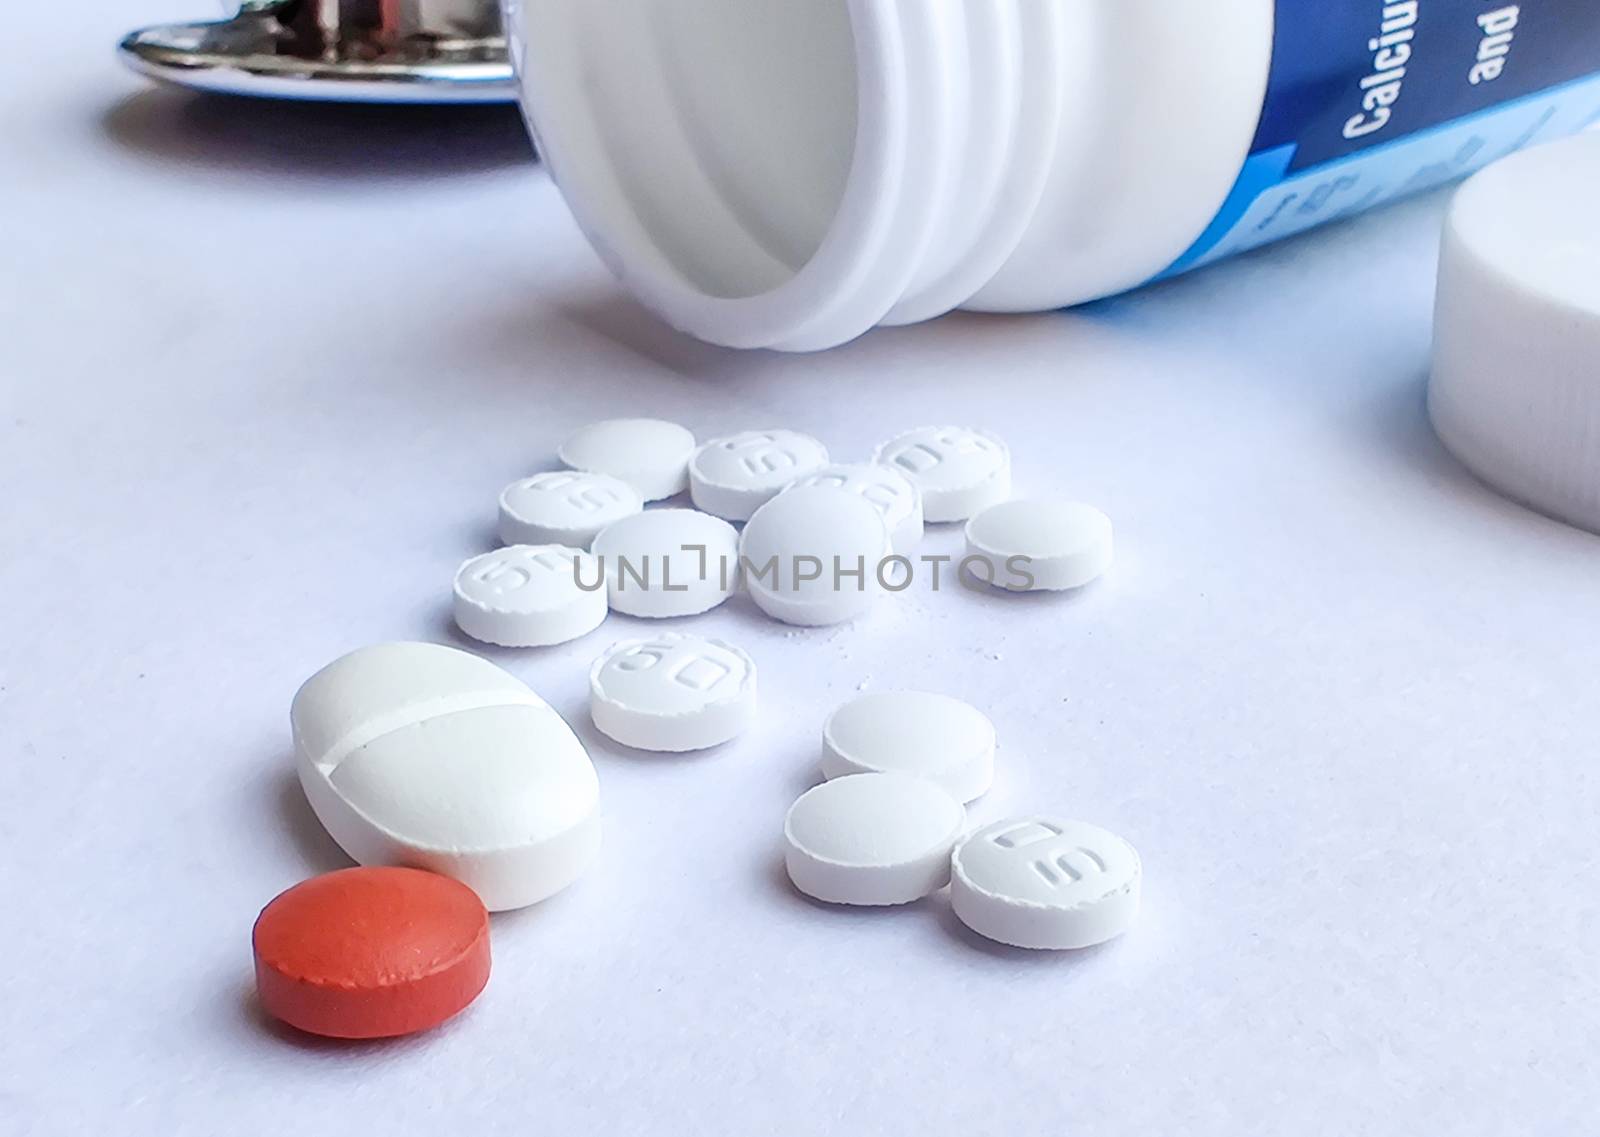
x,y
371,952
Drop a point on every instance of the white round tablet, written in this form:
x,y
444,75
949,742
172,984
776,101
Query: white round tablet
x,y
649,454
959,471
912,732
416,754
669,562
1515,389
529,596
874,839
673,692
1034,882
1038,546
732,477
889,492
564,507
812,556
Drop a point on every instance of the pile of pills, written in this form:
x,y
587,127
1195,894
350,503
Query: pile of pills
x,y
819,543
461,792
889,827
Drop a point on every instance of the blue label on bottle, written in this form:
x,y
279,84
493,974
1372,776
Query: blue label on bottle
x,y
1372,100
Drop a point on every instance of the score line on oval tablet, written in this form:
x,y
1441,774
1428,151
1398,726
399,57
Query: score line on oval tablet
x,y
872,839
371,952
673,693
423,755
529,596
1035,882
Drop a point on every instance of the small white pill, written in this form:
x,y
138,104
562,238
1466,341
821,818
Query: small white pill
x,y
669,562
912,732
529,596
813,556
1039,546
873,839
421,755
673,693
649,454
1033,882
959,471
732,477
890,493
564,507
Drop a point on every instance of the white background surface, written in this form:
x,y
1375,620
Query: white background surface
x,y
262,372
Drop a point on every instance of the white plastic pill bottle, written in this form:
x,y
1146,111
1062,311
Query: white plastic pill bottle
x,y
790,173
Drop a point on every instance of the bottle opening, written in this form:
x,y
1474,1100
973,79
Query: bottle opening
x,y
711,141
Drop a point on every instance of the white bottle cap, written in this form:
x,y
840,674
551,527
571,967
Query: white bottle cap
x,y
1515,392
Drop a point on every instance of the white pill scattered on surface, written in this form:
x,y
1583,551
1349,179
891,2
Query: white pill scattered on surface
x,y
564,507
912,732
651,455
889,491
1039,546
872,839
421,755
813,555
673,693
1034,882
529,596
959,471
669,562
732,477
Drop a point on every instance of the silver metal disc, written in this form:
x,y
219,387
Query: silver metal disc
x,y
264,53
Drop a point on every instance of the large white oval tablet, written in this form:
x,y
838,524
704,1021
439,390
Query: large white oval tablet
x,y
1515,391
421,755
529,596
669,562
1034,882
811,555
1038,545
959,470
912,732
564,507
673,692
889,491
732,477
651,455
873,839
